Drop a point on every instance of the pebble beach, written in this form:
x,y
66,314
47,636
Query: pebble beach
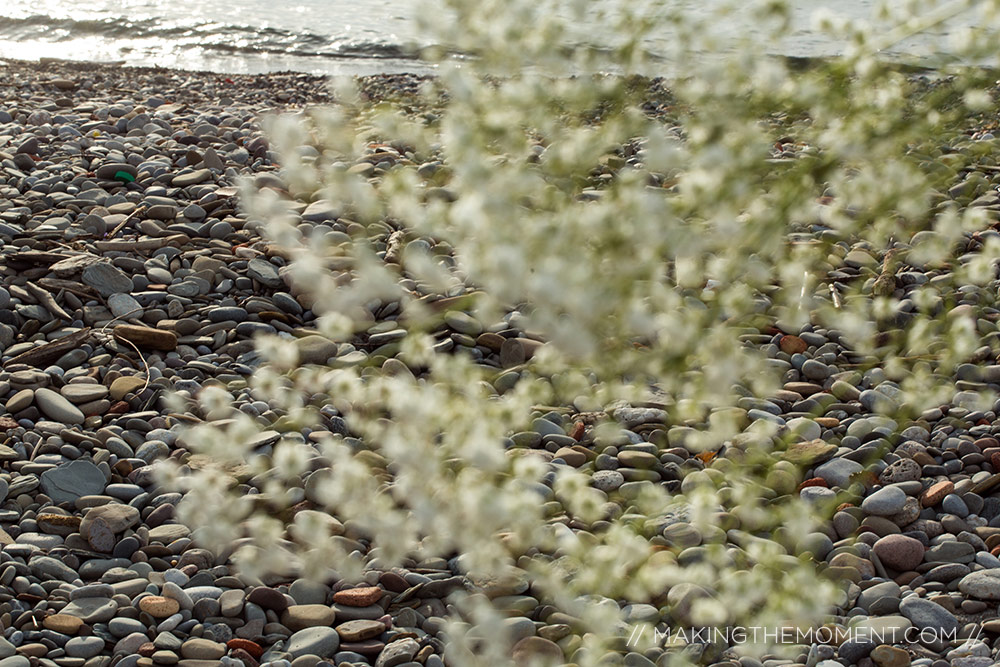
x,y
129,270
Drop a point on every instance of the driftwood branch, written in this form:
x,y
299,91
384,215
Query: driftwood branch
x,y
48,301
45,354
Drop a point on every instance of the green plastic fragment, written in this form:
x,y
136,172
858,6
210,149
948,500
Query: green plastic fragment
x,y
124,176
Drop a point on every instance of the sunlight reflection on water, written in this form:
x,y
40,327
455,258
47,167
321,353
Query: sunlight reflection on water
x,y
343,36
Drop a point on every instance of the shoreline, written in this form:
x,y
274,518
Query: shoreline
x,y
363,67
261,93
794,63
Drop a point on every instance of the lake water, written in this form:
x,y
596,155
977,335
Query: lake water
x,y
331,36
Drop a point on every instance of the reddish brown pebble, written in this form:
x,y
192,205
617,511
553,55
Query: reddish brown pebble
x,y
985,443
358,597
146,650
935,493
815,481
803,388
843,506
6,424
792,345
578,430
250,647
899,552
119,408
995,461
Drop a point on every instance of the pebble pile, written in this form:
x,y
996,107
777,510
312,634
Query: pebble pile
x,y
128,269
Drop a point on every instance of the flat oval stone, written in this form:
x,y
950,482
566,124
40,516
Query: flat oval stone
x,y
92,610
63,623
320,642
885,502
463,322
925,614
951,552
112,171
167,533
953,504
123,627
947,572
125,385
301,616
84,647
84,393
315,349
158,606
227,313
197,648
838,472
20,401
320,211
268,598
123,305
192,178
57,407
356,631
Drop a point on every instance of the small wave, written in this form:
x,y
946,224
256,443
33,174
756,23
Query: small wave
x,y
56,29
367,50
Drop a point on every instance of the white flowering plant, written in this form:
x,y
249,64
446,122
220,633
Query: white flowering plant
x,y
547,258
